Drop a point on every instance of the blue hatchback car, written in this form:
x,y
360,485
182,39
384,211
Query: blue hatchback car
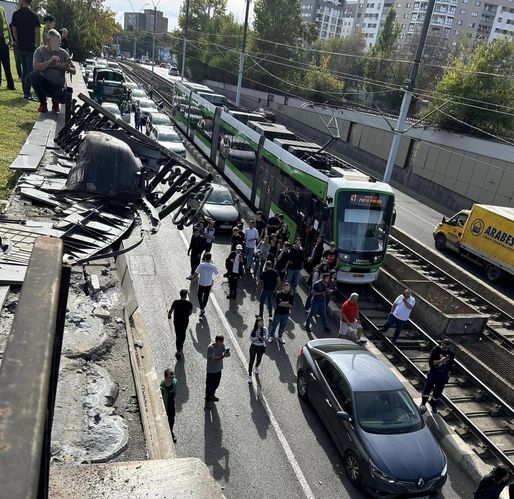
x,y
386,447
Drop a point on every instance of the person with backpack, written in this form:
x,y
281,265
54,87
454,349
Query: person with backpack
x,y
257,346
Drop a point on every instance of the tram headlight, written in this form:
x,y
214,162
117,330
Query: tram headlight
x,y
345,257
377,258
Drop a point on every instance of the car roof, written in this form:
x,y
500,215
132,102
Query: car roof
x,y
362,369
365,372
144,102
165,128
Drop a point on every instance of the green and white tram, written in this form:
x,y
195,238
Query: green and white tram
x,y
338,203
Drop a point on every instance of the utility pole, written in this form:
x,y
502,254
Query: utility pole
x,y
242,56
407,96
153,42
184,43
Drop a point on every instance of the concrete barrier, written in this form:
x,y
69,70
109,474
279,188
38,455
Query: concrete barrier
x,y
436,310
438,259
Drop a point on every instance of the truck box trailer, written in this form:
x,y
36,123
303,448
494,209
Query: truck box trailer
x,y
484,234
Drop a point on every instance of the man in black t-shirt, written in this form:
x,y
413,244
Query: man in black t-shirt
x,y
181,310
294,267
441,362
269,279
273,224
285,300
26,38
331,256
260,224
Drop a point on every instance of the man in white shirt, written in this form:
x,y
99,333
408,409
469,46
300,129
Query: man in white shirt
x,y
400,312
205,272
251,238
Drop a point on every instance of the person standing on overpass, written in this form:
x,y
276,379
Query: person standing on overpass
x,y
5,43
26,37
441,362
400,313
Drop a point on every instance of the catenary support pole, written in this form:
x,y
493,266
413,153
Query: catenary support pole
x,y
153,41
407,96
242,56
185,42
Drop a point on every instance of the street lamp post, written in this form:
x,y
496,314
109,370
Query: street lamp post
x,y
242,56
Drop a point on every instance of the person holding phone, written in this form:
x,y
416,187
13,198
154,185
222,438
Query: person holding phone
x,y
441,362
50,64
216,352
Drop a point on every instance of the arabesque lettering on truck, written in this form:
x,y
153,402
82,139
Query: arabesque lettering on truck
x,y
491,233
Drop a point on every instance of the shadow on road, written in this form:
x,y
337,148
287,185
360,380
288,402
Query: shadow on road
x,y
217,456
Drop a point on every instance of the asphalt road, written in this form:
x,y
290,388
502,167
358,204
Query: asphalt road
x,y
260,440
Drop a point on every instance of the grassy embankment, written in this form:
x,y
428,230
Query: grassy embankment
x,y
17,117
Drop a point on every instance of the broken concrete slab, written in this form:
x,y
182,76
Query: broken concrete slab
x,y
12,274
86,428
60,170
26,163
41,197
3,294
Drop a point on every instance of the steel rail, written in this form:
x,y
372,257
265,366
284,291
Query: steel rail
x,y
473,428
497,335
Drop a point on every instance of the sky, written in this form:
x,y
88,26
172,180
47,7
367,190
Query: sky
x,y
169,7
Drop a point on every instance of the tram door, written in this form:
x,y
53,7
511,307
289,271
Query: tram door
x,y
267,177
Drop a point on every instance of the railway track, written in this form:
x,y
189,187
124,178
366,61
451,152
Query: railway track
x,y
479,415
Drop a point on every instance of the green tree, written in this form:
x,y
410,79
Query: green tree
x,y
321,85
349,63
378,65
90,24
484,75
278,38
205,19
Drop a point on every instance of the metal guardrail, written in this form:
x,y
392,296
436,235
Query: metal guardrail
x,y
29,372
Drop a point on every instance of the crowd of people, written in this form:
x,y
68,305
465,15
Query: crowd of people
x,y
264,251
41,54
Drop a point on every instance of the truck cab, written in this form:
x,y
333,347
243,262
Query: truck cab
x,y
449,232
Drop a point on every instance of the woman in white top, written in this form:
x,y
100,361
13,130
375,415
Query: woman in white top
x,y
208,235
257,347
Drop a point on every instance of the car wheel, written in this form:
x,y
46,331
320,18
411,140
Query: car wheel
x,y
351,464
493,273
301,386
440,242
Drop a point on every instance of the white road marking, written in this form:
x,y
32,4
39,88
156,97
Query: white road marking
x,y
274,423
417,216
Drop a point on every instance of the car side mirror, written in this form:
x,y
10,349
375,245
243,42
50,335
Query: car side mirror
x,y
393,220
343,416
422,409
236,200
443,220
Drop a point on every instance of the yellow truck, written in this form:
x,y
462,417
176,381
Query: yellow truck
x,y
484,234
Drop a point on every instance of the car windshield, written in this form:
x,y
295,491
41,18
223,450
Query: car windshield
x,y
220,196
169,137
363,221
387,412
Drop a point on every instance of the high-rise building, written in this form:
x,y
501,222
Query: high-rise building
x,y
144,21
451,19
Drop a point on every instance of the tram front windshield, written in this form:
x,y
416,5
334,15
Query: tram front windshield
x,y
363,221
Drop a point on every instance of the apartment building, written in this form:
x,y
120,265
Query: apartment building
x,y
144,21
451,19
